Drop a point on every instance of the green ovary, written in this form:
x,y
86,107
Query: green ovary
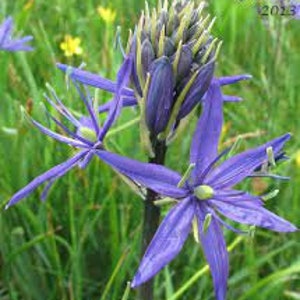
x,y
203,192
88,134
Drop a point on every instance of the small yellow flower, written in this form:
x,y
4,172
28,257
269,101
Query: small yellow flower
x,y
225,129
71,46
297,158
28,5
108,15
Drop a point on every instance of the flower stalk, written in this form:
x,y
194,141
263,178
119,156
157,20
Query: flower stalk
x,y
151,215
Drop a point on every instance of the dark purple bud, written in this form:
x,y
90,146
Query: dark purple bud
x,y
197,90
148,56
184,64
160,95
169,47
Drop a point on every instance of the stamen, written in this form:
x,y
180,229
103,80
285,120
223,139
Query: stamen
x,y
206,222
211,24
153,26
129,41
180,31
270,195
186,175
251,231
195,230
209,50
164,201
177,57
161,42
201,41
271,157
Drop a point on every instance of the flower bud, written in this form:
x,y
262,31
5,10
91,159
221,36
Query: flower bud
x,y
148,56
160,95
173,42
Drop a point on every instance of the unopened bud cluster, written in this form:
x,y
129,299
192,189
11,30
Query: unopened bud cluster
x,y
174,56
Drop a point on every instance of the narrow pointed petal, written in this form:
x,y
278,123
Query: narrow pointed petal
x,y
5,29
236,168
153,176
62,109
51,174
229,98
160,95
215,252
204,148
8,42
94,80
58,136
126,101
234,196
75,136
87,100
122,81
247,212
233,79
167,241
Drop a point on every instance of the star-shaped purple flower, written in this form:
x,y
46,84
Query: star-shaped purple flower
x,y
88,137
206,194
7,42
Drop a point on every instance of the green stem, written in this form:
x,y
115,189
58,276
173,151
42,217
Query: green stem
x,y
151,215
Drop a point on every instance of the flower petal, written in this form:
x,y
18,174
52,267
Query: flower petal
x,y
123,78
94,80
6,29
58,136
233,79
7,42
234,196
204,148
51,174
215,251
167,241
230,98
236,168
153,176
126,101
248,212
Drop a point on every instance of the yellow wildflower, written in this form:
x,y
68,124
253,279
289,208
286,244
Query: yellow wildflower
x,y
225,129
71,46
108,15
28,5
297,158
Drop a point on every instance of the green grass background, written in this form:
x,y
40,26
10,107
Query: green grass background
x,y
83,242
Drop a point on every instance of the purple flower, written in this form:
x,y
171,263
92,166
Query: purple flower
x,y
129,99
203,196
88,136
7,42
